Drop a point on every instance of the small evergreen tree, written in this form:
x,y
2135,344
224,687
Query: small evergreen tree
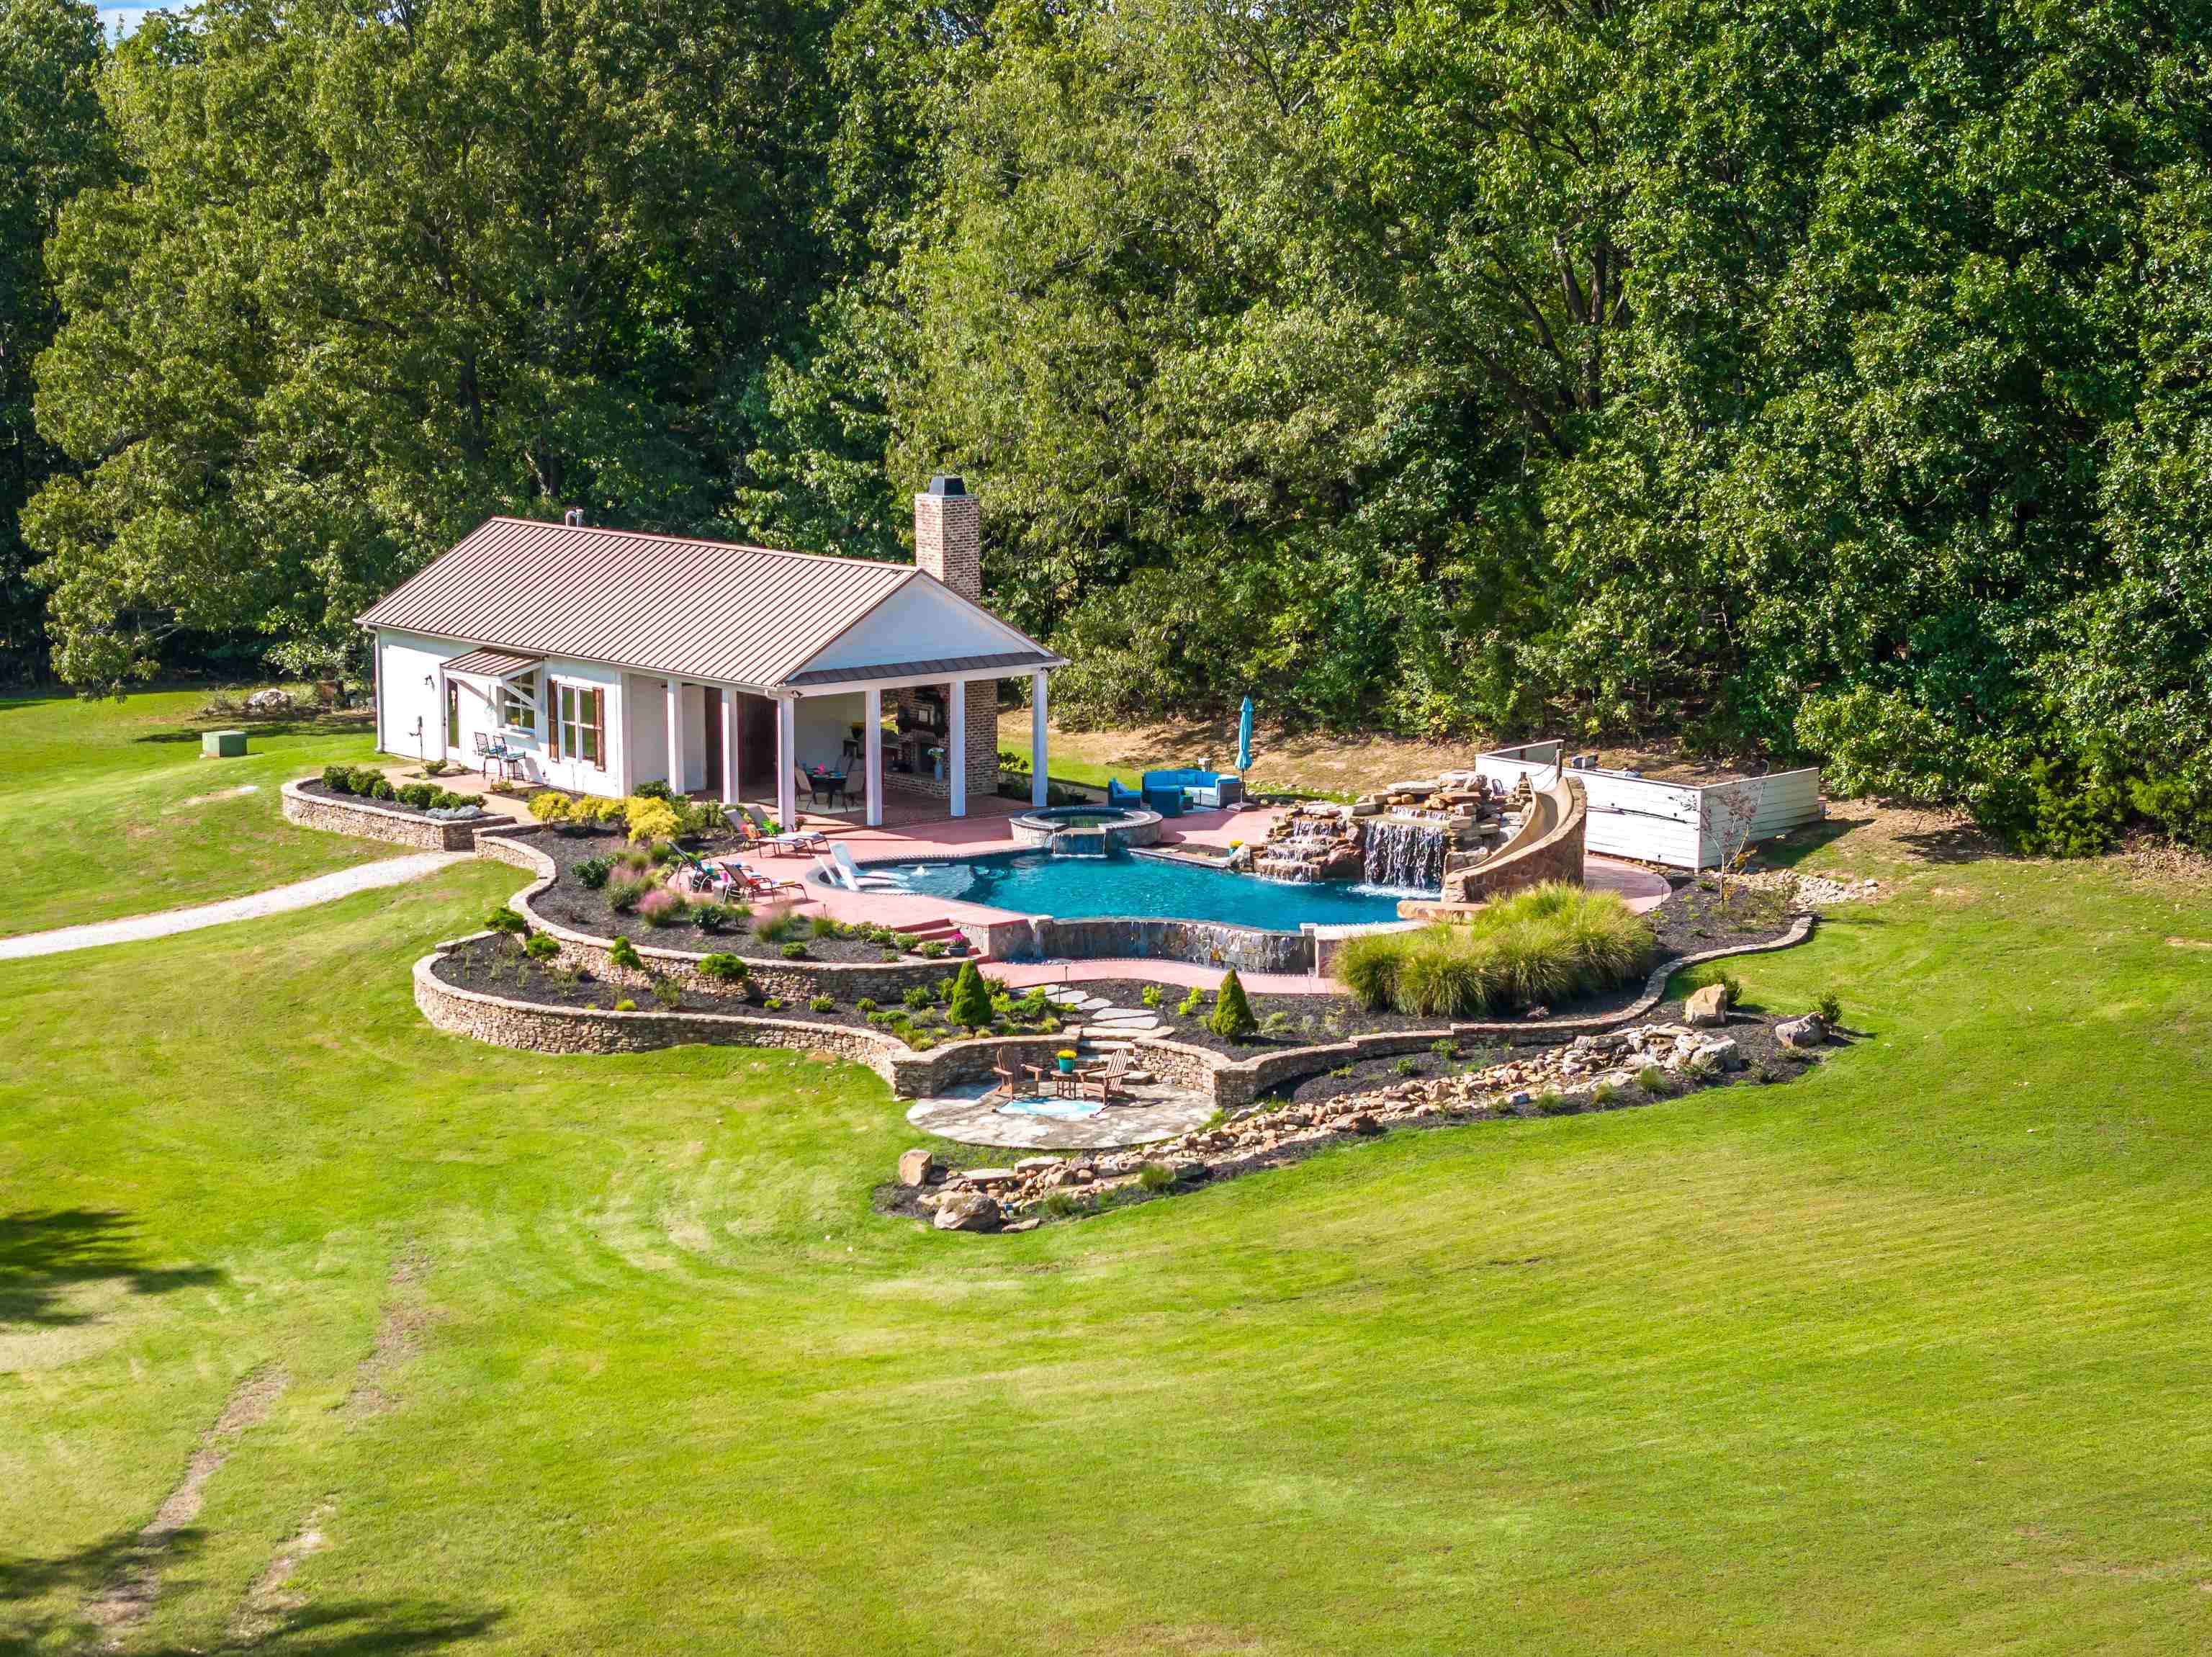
x,y
971,998
1231,1017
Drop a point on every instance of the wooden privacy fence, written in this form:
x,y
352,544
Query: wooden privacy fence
x,y
1683,825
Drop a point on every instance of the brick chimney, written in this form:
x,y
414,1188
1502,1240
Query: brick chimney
x,y
948,535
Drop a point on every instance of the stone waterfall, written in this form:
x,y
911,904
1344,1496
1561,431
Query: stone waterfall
x,y
1406,855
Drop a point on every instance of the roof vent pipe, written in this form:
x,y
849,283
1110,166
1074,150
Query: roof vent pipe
x,y
573,517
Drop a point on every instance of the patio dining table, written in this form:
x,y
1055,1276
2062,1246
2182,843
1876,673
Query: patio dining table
x,y
831,784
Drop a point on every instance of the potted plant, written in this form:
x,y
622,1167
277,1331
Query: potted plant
x,y
1066,1056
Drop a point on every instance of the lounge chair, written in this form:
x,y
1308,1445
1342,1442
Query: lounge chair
x,y
850,875
764,886
793,840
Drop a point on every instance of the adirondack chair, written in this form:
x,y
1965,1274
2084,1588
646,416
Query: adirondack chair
x,y
1106,1076
1003,1068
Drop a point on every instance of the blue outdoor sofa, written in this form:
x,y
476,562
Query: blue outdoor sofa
x,y
1171,793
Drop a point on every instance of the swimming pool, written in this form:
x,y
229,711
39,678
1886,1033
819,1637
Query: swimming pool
x,y
1073,888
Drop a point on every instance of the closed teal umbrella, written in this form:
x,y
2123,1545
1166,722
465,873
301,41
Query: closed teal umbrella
x,y
1244,738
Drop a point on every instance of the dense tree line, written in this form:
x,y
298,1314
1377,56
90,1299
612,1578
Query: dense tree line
x,y
1805,376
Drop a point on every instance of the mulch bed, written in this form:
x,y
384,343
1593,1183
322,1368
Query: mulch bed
x,y
498,966
569,902
315,790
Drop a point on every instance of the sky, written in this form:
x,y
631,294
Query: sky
x,y
123,19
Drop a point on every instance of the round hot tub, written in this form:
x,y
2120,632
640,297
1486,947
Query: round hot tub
x,y
1086,830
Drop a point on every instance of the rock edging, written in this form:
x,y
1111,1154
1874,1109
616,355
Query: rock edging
x,y
365,820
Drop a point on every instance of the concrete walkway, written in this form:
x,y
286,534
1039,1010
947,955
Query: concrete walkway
x,y
301,894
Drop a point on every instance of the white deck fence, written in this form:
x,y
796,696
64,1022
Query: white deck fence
x,y
1680,825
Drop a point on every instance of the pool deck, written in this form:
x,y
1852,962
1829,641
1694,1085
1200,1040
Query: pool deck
x,y
922,836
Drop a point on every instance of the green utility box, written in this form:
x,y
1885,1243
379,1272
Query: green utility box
x,y
221,744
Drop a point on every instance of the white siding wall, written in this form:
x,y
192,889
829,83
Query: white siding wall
x,y
918,622
646,728
408,714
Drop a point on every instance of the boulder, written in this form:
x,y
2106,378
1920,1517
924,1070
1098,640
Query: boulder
x,y
1030,1224
919,1166
1718,1054
1036,1164
1810,1031
968,1211
991,1176
1707,1006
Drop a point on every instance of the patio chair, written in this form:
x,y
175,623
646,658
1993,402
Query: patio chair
x,y
489,753
1003,1068
699,875
1106,1076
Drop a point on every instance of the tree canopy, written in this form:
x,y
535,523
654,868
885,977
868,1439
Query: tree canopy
x,y
1806,377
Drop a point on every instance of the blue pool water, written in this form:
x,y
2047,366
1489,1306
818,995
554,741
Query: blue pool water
x,y
1038,883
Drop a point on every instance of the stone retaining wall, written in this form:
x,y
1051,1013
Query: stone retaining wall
x,y
1231,1083
1199,943
365,820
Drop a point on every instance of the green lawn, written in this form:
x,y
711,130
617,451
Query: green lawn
x,y
109,810
612,1354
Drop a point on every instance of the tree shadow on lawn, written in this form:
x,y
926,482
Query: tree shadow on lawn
x,y
43,1254
345,1628
346,721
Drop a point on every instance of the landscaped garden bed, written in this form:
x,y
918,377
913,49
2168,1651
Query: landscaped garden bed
x,y
365,784
604,886
516,968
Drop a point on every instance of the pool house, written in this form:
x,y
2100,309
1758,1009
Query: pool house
x,y
596,659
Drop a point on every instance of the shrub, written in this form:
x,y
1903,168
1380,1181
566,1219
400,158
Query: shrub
x,y
338,779
1276,1024
625,892
379,789
541,947
775,926
635,859
918,995
1550,944
821,1003
505,920
866,1004
364,779
725,968
1156,1176
822,927
661,907
712,916
1192,1004
794,951
668,993
971,999
1404,1067
1652,1079
1232,1018
1830,1008
436,768
1153,996
654,791
596,809
650,820
625,1005
1445,1048
550,806
594,871
1061,1204
773,1004
421,796
931,949
623,953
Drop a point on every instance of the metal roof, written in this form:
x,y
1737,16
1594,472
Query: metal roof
x,y
938,665
698,609
492,664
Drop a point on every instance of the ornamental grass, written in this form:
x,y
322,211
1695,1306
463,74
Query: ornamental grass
x,y
1553,943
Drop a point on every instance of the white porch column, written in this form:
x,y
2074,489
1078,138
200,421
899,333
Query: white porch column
x,y
438,712
872,741
787,758
956,747
729,723
675,736
1038,797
